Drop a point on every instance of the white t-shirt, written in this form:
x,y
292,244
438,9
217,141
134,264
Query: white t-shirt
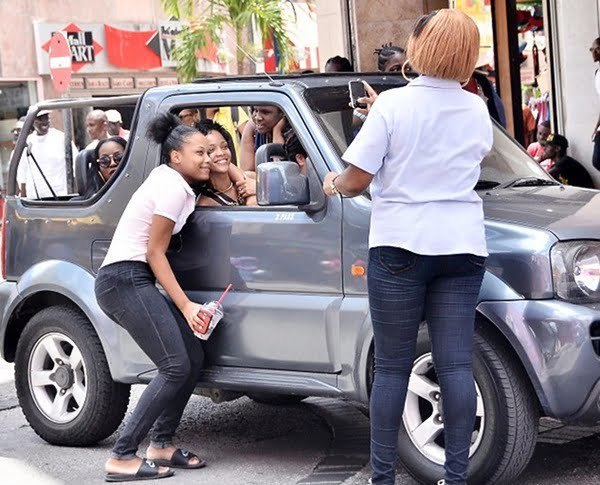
x,y
165,193
49,152
424,143
597,81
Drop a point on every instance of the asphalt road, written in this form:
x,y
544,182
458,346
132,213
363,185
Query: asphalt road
x,y
246,443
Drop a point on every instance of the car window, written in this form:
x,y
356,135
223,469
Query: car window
x,y
506,162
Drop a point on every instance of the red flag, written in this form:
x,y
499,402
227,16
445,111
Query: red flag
x,y
128,49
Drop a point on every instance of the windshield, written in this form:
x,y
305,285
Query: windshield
x,y
505,164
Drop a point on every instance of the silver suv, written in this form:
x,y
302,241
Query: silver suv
x,y
297,322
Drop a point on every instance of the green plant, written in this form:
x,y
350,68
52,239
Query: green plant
x,y
206,20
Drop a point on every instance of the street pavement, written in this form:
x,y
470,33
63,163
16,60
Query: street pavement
x,y
319,442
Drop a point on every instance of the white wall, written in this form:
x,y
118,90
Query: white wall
x,y
576,24
331,30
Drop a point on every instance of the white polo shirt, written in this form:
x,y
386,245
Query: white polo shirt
x,y
424,143
165,193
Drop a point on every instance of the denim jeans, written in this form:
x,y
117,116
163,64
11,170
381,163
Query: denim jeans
x,y
127,293
405,288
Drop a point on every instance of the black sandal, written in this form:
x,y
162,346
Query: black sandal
x,y
181,459
148,471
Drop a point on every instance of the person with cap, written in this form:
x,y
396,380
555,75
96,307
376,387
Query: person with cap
x,y
47,146
115,124
562,167
189,116
96,125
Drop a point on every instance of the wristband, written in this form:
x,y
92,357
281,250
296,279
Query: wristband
x,y
333,187
359,115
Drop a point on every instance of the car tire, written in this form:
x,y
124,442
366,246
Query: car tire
x,y
63,381
276,399
508,429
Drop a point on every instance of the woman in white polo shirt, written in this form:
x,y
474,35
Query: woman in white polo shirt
x,y
420,149
126,291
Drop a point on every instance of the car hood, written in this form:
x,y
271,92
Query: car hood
x,y
567,212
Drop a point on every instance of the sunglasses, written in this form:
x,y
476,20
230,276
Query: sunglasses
x,y
106,160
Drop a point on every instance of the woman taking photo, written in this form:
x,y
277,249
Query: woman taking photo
x,y
126,291
421,147
222,188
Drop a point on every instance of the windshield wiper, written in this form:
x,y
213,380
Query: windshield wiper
x,y
528,182
486,184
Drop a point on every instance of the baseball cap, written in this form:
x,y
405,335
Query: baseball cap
x,y
557,140
42,113
113,116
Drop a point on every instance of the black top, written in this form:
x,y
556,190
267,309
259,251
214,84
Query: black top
x,y
569,171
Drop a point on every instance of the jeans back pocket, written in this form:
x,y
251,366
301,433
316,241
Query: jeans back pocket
x,y
396,260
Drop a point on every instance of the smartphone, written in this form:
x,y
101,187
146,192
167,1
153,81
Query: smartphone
x,y
357,90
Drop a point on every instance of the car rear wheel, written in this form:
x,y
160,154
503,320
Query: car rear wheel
x,y
505,431
63,381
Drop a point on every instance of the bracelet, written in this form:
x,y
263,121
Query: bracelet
x,y
333,187
359,115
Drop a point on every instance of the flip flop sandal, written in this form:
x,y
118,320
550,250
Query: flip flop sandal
x,y
181,459
148,471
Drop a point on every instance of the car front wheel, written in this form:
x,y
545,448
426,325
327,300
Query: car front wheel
x,y
63,381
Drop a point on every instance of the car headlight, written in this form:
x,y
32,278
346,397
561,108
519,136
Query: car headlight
x,y
576,271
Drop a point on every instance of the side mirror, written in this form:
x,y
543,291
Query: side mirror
x,y
281,183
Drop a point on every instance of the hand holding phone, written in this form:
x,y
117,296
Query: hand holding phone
x,y
357,90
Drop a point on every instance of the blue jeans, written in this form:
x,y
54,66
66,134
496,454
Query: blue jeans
x,y
127,293
404,289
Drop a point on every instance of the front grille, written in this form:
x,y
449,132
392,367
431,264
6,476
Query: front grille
x,y
595,336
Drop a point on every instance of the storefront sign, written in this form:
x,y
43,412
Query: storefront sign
x,y
167,81
145,82
77,83
122,83
97,83
167,33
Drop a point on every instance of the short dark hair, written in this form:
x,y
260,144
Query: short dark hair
x,y
343,63
168,131
385,53
207,125
117,139
545,124
292,145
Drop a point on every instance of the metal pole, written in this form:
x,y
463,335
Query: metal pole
x,y
68,122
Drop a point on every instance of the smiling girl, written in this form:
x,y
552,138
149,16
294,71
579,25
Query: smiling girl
x,y
126,291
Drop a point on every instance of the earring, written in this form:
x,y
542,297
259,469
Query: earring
x,y
404,71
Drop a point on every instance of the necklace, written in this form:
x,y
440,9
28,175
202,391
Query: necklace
x,y
226,190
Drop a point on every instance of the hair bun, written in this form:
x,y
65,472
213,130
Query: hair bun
x,y
161,127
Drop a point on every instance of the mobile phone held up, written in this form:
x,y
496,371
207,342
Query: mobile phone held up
x,y
357,90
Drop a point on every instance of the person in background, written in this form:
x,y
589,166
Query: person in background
x,y
126,290
427,238
529,123
16,131
480,85
536,149
390,58
189,116
294,150
221,189
564,168
595,51
233,119
338,64
47,145
115,124
96,125
266,126
107,158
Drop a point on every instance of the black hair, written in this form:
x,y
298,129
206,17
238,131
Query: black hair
x,y
597,41
292,145
385,53
545,124
344,64
168,131
206,126
94,180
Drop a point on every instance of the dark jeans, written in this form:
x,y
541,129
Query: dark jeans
x,y
596,155
127,293
404,288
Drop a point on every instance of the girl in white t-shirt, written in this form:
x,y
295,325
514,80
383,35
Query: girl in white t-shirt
x,y
126,291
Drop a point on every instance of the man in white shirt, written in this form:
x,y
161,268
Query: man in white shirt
x,y
595,50
96,125
47,146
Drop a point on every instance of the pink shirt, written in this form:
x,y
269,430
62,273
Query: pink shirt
x,y
536,151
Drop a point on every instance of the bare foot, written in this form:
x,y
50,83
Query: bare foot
x,y
166,454
129,467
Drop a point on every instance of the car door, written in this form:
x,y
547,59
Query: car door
x,y
284,264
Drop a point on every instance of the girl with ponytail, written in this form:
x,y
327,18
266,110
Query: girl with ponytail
x,y
126,291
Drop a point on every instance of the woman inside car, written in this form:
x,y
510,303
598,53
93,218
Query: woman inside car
x,y
107,158
223,188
